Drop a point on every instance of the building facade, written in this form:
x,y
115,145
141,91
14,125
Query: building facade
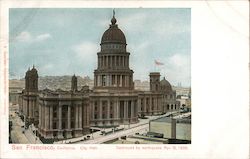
x,y
113,101
28,100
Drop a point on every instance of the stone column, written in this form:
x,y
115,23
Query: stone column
x,y
107,61
92,108
99,80
116,83
111,61
109,80
69,117
108,109
80,116
139,104
126,109
118,109
87,115
76,116
145,104
60,117
46,117
100,110
125,80
51,117
120,80
30,110
159,105
132,108
40,115
136,108
150,103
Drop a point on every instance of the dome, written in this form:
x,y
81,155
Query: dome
x,y
165,85
113,34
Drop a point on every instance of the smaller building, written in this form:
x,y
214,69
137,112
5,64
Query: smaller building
x,y
64,114
161,98
179,129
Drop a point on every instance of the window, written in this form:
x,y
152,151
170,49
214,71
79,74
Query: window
x,y
95,116
111,115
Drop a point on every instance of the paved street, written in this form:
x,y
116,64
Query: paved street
x,y
17,134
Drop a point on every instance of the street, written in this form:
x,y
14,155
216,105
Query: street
x,y
17,135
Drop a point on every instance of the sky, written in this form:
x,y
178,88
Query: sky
x,y
66,41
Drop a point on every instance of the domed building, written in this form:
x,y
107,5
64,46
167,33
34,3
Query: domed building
x,y
113,101
159,99
169,96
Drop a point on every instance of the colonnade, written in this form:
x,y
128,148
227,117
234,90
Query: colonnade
x,y
59,118
149,105
110,111
113,61
113,80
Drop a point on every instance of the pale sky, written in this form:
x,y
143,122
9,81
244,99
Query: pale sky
x,y
66,41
